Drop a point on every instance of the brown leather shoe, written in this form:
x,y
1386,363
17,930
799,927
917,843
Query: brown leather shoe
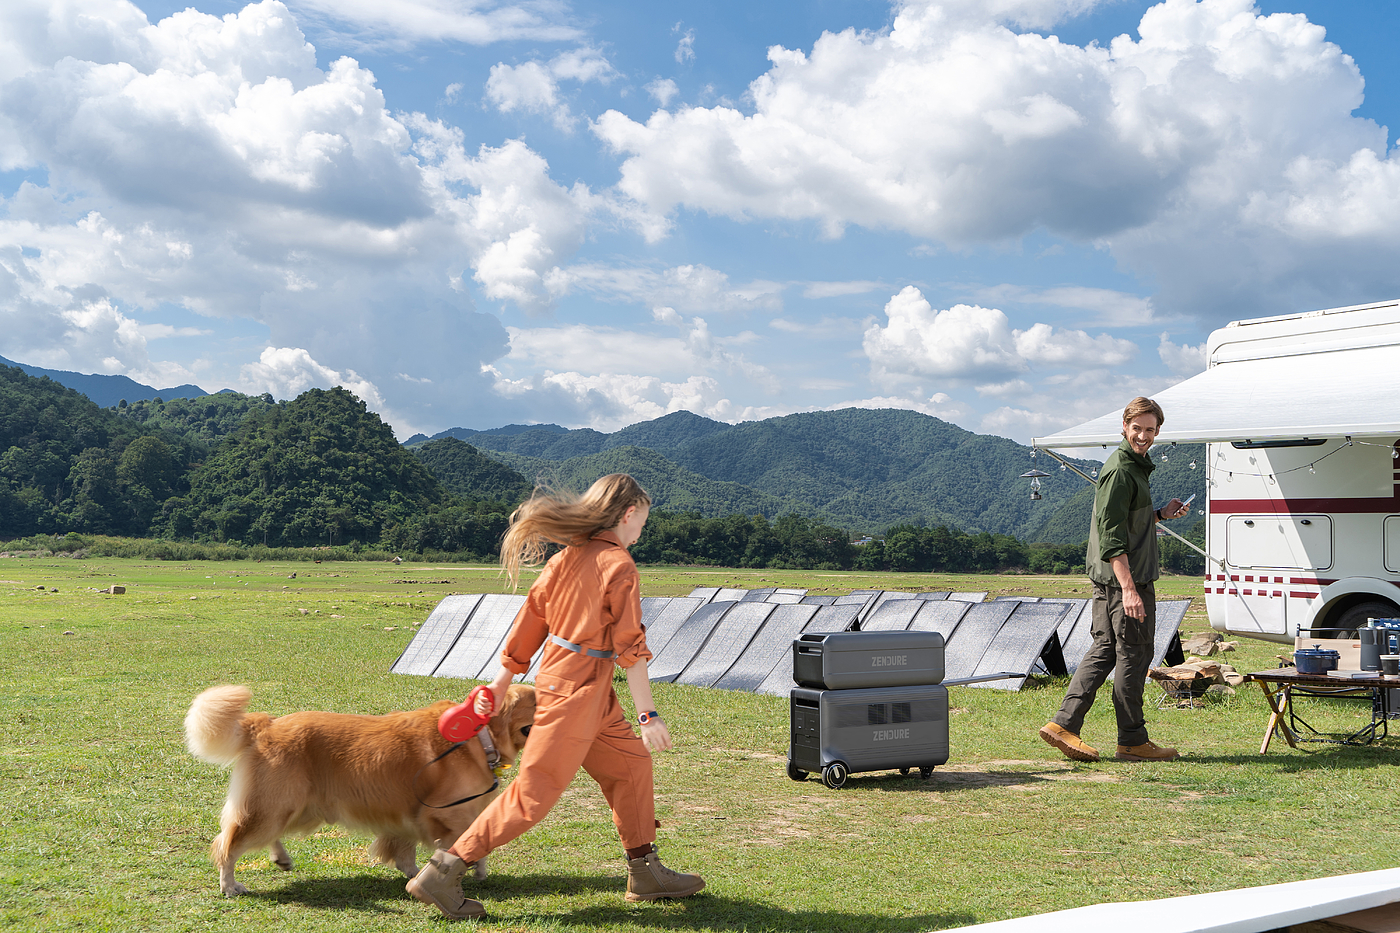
x,y
1147,751
1072,745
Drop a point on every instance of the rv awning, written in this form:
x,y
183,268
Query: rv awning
x,y
1315,395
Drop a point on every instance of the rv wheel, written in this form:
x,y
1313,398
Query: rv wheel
x,y
903,772
796,773
1345,624
925,773
834,775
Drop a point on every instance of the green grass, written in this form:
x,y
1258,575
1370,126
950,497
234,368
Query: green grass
x,y
105,819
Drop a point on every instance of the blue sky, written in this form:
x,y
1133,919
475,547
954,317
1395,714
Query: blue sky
x,y
1011,214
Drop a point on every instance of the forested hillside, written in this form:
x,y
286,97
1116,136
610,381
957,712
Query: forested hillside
x,y
68,465
864,470
469,473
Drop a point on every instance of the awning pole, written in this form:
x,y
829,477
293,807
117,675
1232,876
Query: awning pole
x,y
1090,480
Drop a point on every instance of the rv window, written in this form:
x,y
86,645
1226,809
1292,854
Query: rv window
x,y
1260,445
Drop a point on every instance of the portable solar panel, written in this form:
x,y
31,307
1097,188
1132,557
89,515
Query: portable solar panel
x,y
839,732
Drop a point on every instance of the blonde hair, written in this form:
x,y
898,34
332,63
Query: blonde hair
x,y
1143,406
550,517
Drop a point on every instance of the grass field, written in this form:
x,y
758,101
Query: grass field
x,y
105,819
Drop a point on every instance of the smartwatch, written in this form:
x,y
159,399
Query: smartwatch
x,y
644,718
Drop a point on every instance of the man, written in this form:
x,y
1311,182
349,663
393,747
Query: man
x,y
1122,563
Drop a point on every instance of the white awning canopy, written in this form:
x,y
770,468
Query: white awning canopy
x,y
1327,394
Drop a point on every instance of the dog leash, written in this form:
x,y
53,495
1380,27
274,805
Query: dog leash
x,y
493,761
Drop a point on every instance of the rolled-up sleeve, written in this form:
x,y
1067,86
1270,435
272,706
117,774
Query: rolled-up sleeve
x,y
1112,504
622,601
529,629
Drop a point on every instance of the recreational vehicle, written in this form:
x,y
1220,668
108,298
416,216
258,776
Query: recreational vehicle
x,y
1300,415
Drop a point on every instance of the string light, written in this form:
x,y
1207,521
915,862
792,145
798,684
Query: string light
x,y
1192,464
1311,470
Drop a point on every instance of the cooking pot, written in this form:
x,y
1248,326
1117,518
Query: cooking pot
x,y
1315,660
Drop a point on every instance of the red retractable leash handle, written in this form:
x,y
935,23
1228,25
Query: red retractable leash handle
x,y
459,723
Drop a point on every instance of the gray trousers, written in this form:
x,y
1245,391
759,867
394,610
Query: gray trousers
x,y
1124,646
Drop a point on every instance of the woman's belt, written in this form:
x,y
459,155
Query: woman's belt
x,y
579,649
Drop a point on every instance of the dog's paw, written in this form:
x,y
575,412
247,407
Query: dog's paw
x,y
233,889
280,858
479,869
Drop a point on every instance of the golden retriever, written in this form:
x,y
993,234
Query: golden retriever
x,y
372,773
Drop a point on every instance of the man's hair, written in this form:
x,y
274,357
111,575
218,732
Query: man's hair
x,y
1143,406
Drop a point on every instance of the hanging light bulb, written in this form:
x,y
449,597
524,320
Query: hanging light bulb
x,y
1229,477
1271,480
1063,468
1192,464
1311,470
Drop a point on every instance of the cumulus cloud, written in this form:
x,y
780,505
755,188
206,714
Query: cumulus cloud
x,y
534,86
287,372
209,163
1216,154
972,344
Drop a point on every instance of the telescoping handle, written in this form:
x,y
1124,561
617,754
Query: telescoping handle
x,y
459,723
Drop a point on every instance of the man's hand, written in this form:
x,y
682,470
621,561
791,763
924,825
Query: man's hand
x,y
1132,604
1175,509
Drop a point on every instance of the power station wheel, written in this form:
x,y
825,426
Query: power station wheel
x,y
925,773
796,773
834,774
903,772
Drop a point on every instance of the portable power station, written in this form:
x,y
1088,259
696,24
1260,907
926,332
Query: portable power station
x,y
839,732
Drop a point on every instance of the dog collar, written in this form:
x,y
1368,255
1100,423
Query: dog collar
x,y
493,757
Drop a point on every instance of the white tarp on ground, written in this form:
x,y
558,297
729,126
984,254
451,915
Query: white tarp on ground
x,y
1248,910
1324,374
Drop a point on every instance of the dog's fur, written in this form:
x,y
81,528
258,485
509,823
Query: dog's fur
x,y
296,772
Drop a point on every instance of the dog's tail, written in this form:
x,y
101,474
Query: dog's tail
x,y
214,725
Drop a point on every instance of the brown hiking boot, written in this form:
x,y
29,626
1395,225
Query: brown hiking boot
x,y
649,880
1147,751
1072,745
439,885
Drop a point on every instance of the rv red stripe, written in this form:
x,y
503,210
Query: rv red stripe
x,y
1352,506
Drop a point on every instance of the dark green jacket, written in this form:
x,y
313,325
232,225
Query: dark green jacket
x,y
1124,522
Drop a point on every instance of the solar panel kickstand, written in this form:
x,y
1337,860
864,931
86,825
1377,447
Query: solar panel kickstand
x,y
1053,657
982,678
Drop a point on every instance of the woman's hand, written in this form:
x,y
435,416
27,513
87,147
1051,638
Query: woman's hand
x,y
656,736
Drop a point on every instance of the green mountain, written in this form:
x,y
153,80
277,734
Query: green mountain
x,y
673,488
467,472
861,469
68,465
318,470
106,391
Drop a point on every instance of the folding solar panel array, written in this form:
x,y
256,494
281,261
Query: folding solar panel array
x,y
736,639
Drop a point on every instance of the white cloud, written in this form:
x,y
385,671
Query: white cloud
x,y
663,90
839,289
287,372
405,23
972,343
938,405
1184,359
207,162
534,86
690,287
1217,154
596,350
1105,307
685,48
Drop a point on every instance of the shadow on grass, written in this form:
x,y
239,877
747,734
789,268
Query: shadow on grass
x,y
705,911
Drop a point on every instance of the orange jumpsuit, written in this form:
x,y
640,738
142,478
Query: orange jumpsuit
x,y
588,595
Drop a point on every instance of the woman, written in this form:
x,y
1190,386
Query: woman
x,y
586,610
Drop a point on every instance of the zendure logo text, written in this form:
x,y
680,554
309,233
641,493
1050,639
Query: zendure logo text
x,y
890,660
889,735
